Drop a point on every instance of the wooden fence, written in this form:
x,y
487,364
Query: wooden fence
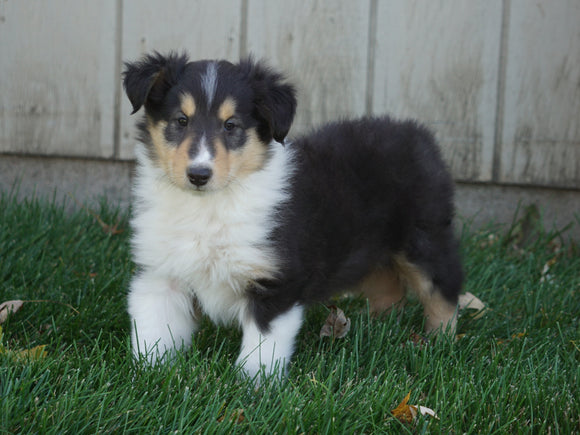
x,y
498,80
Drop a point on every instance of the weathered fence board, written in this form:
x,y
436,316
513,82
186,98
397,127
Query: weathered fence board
x,y
322,45
541,130
438,62
57,77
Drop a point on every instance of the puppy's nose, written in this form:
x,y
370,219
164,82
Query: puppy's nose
x,y
199,175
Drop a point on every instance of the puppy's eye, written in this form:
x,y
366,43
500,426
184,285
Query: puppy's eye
x,y
229,125
182,121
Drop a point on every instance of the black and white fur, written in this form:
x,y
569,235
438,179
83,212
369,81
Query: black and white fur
x,y
231,221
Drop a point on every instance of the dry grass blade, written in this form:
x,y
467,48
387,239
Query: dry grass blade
x,y
109,229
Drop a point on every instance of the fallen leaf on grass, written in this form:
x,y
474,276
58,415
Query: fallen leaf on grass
x,y
545,275
417,339
513,337
34,354
9,307
469,301
407,413
237,416
37,353
86,274
336,325
491,240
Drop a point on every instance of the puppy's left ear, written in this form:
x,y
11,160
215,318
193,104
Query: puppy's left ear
x,y
274,99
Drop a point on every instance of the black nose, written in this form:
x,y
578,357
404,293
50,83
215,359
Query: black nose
x,y
199,175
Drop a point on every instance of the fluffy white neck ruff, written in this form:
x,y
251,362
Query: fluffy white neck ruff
x,y
210,244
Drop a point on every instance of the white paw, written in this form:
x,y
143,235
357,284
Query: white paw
x,y
267,354
162,318
258,372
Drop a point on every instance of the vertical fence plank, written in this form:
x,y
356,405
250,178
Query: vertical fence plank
x,y
205,29
321,46
541,132
438,62
57,77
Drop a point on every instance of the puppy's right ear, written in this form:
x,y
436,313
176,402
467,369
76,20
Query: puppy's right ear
x,y
148,80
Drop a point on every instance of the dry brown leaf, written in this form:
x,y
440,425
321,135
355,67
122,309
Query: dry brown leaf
x,y
513,337
9,307
545,275
417,339
35,354
403,411
407,413
336,325
491,240
237,416
472,302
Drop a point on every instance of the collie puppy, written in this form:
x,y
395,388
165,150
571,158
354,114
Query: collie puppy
x,y
232,221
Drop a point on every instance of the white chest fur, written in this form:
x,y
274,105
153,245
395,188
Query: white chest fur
x,y
211,244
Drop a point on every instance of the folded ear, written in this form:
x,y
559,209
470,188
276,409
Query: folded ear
x,y
149,79
274,99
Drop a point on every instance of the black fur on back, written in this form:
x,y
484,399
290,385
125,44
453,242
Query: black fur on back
x,y
362,191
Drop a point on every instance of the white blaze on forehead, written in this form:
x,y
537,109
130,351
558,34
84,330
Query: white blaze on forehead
x,y
203,156
209,82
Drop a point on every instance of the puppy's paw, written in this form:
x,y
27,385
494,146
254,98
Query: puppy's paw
x,y
261,374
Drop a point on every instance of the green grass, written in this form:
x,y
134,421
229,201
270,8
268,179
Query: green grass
x,y
516,370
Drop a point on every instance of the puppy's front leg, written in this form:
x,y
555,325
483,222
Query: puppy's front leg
x,y
269,350
163,317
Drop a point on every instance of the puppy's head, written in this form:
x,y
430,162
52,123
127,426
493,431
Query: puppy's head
x,y
208,123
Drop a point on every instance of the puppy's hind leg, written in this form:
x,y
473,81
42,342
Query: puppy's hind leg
x,y
163,317
440,314
384,290
440,311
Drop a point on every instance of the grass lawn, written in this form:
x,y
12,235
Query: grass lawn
x,y
514,370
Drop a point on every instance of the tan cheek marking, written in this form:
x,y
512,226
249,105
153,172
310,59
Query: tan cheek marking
x,y
221,169
251,157
187,105
180,161
162,149
173,160
227,109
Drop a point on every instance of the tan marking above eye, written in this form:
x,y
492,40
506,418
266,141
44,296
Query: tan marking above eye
x,y
227,109
187,105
